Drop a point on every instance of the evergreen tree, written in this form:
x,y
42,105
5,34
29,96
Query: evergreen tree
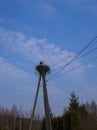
x,y
72,117
74,103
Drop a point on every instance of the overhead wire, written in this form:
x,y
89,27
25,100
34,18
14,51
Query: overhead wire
x,y
92,59
66,58
74,58
62,60
78,53
76,67
90,51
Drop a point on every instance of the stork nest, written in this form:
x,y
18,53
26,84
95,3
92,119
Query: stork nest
x,y
43,69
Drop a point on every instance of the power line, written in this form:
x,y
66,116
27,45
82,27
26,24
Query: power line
x,y
92,59
79,53
73,59
94,49
91,42
60,63
74,68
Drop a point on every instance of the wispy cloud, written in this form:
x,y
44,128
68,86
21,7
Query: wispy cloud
x,y
15,80
23,52
8,70
11,77
32,50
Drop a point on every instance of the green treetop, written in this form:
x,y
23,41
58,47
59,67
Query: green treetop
x,y
74,103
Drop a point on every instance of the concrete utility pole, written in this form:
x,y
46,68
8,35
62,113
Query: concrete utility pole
x,y
42,70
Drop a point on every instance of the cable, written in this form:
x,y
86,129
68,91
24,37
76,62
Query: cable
x,y
79,52
82,56
82,64
74,68
74,59
63,61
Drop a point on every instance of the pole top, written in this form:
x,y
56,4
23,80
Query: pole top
x,y
43,68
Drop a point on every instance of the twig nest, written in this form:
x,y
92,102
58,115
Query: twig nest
x,y
42,68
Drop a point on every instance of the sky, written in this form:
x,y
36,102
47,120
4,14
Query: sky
x,y
53,31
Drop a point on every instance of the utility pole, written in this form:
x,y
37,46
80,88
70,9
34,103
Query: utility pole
x,y
42,70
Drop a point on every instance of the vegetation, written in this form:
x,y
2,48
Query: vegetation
x,y
76,117
16,119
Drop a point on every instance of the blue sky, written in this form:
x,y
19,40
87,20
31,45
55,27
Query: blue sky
x,y
54,31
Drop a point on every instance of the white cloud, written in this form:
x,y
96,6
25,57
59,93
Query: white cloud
x,y
16,81
16,85
29,50
32,49
10,72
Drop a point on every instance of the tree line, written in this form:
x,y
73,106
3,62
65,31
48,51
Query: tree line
x,y
75,117
13,118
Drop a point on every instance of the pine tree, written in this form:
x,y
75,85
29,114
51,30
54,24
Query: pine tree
x,y
74,103
72,116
